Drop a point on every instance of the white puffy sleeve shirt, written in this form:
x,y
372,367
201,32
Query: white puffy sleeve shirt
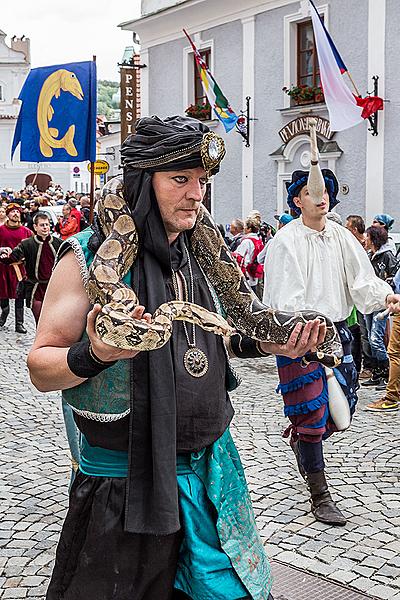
x,y
326,271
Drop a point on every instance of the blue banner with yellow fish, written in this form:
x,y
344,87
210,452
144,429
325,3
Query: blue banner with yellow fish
x,y
57,120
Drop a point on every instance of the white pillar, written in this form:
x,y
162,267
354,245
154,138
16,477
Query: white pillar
x,y
144,84
376,144
248,28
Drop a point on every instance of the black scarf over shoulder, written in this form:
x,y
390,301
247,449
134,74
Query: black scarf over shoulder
x,y
152,494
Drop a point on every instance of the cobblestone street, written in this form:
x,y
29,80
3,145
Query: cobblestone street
x,y
363,466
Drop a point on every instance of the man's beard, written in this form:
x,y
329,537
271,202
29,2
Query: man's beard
x,y
14,223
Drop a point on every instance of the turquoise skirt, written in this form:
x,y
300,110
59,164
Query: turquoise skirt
x,y
221,556
204,570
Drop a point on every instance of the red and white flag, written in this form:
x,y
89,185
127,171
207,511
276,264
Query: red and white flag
x,y
345,109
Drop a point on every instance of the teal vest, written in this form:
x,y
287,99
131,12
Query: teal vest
x,y
106,397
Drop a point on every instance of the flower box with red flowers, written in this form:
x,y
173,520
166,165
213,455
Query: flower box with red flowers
x,y
305,94
199,111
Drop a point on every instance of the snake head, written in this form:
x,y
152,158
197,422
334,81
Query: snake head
x,y
328,360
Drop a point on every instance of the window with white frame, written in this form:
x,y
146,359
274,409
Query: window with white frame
x,y
302,82
195,101
200,98
307,59
199,95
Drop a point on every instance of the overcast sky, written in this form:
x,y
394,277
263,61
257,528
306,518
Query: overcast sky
x,y
72,31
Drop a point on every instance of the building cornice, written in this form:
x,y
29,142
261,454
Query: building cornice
x,y
167,24
10,63
304,110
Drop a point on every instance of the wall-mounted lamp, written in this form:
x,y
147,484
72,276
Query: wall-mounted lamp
x,y
373,119
128,58
243,123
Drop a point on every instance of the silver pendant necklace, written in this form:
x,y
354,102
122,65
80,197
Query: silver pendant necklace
x,y
195,360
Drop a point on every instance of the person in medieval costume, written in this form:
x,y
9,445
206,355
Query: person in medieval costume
x,y
37,253
159,508
315,263
11,234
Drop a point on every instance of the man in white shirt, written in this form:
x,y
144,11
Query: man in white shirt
x,y
314,263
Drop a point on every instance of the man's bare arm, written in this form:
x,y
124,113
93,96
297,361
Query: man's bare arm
x,y
62,322
65,315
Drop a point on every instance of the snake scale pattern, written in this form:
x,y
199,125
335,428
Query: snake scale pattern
x,y
246,313
112,262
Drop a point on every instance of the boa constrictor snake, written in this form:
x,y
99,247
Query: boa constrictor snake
x,y
116,327
112,262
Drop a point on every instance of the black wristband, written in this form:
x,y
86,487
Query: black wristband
x,y
82,361
245,347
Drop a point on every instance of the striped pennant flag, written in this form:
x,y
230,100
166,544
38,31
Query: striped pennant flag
x,y
216,98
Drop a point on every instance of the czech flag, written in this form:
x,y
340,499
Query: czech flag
x,y
216,98
345,109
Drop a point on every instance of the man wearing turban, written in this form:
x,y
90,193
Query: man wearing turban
x,y
159,508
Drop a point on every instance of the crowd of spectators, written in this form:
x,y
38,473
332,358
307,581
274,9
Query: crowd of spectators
x,y
376,337
29,240
31,201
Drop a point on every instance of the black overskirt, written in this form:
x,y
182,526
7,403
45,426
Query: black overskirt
x,y
97,560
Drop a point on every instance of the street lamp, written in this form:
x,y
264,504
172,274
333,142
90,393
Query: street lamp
x,y
128,58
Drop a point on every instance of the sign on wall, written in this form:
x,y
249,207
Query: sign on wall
x,y
302,125
129,107
100,167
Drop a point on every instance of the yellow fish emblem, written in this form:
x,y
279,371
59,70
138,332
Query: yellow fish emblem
x,y
66,81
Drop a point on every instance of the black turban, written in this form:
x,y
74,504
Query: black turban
x,y
165,145
171,144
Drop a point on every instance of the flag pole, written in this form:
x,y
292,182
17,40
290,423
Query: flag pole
x,y
91,195
353,84
36,174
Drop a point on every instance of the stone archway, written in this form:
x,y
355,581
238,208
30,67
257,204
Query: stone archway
x,y
41,180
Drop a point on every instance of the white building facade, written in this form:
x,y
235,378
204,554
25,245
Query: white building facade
x,y
14,68
108,149
256,48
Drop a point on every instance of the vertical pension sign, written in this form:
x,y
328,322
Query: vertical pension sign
x,y
128,101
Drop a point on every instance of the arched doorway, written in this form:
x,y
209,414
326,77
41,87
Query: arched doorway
x,y
41,180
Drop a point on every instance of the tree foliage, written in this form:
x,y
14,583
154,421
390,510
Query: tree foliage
x,y
105,91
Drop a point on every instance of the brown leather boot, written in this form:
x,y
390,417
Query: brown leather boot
x,y
322,506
